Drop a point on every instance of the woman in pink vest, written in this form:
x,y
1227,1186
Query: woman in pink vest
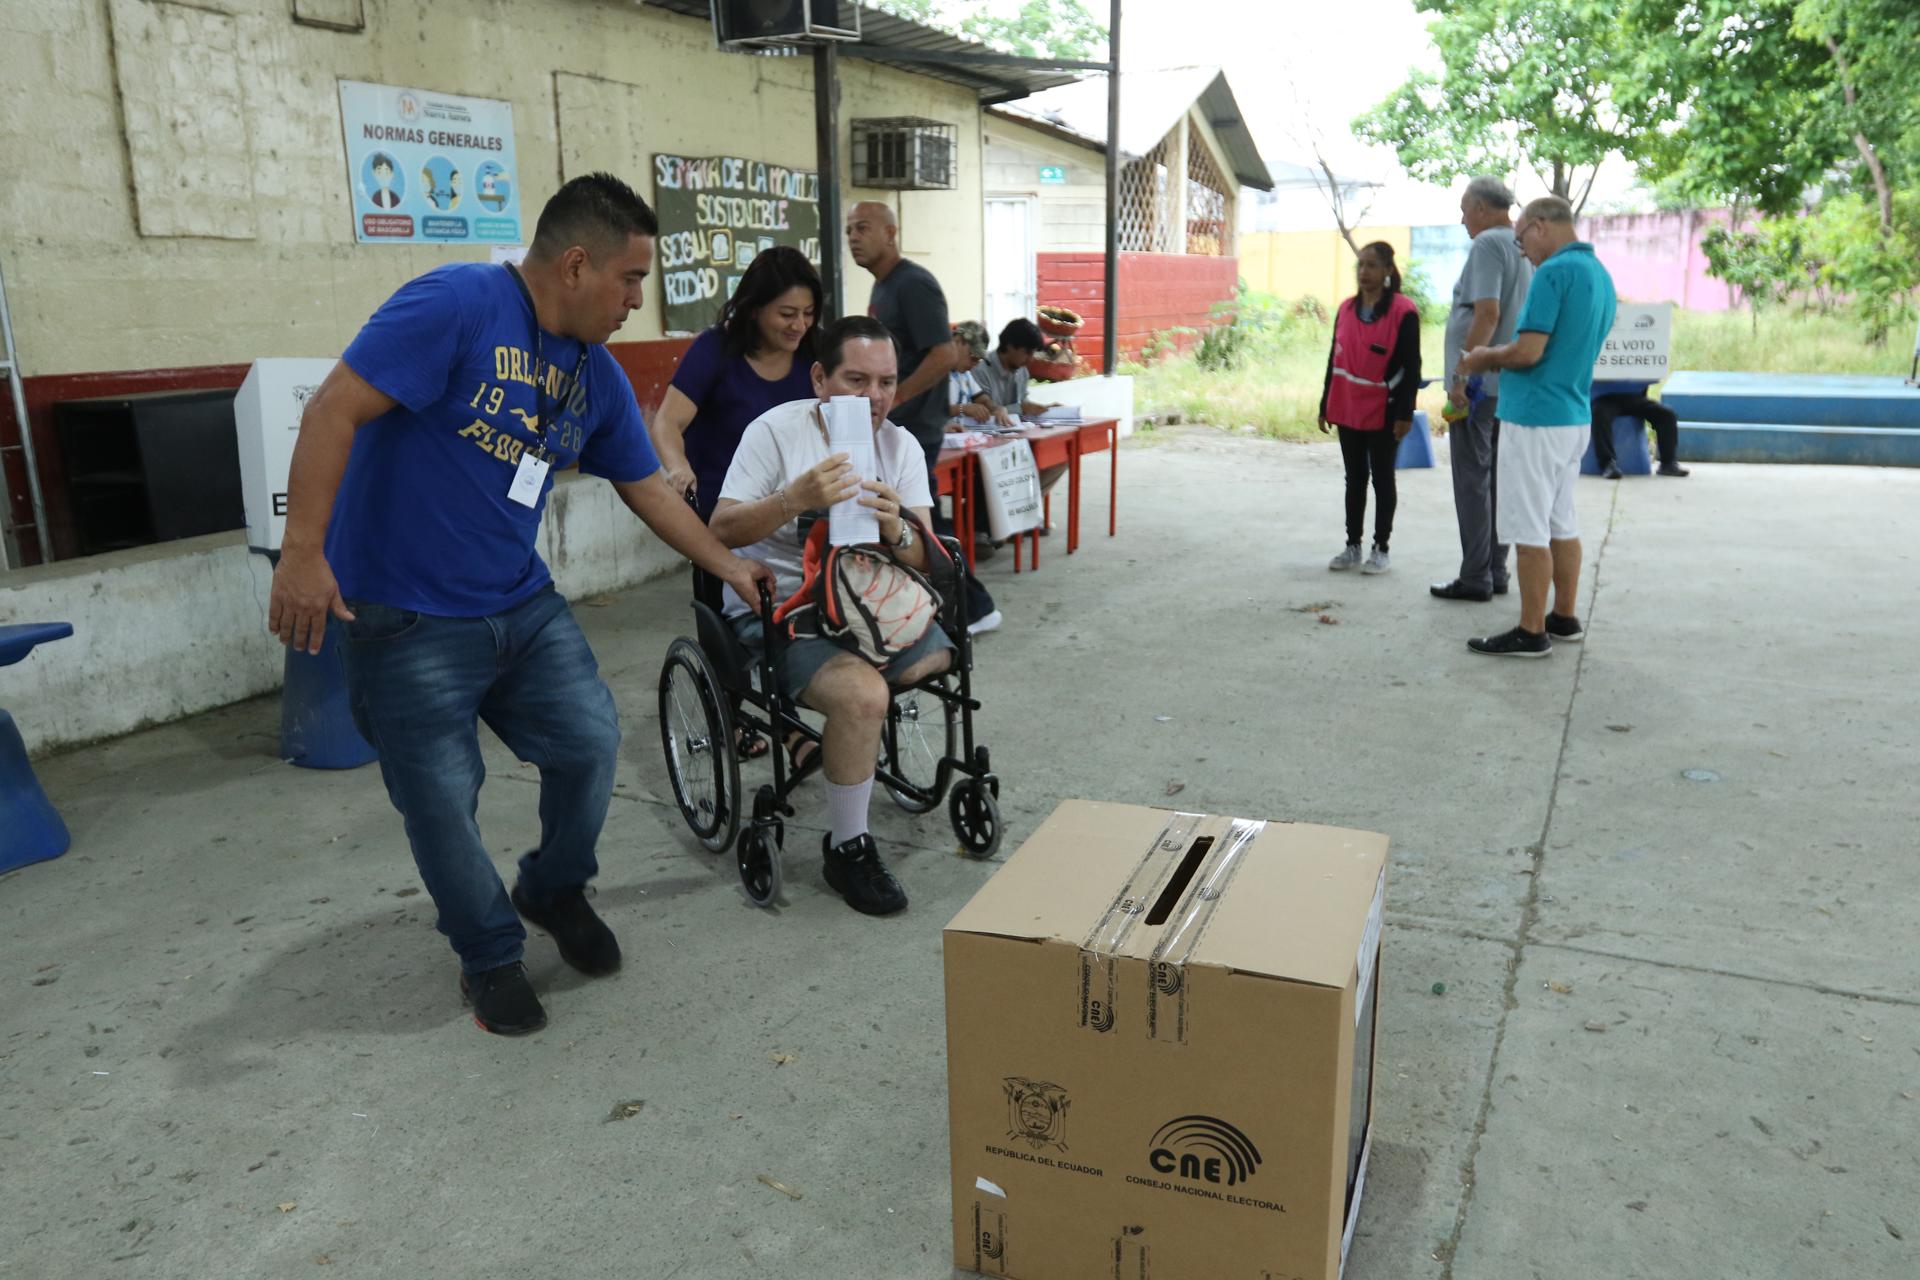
x,y
1373,374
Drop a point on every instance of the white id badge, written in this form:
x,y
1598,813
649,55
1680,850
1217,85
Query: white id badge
x,y
527,481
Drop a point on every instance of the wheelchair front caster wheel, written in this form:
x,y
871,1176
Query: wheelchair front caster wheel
x,y
975,817
759,858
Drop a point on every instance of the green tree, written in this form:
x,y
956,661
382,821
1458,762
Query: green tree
x,y
1038,29
1555,86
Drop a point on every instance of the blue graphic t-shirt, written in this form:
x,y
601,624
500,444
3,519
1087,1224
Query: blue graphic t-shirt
x,y
422,520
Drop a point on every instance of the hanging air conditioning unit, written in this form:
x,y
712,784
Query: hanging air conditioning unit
x,y
752,24
905,153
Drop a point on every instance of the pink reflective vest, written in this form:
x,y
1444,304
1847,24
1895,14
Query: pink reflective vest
x,y
1358,391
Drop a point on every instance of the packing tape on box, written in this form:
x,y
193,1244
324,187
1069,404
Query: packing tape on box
x,y
1099,971
1166,971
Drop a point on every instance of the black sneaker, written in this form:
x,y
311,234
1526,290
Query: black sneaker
x,y
1610,472
1671,469
1499,588
584,940
1564,626
1458,590
1513,644
855,872
503,1000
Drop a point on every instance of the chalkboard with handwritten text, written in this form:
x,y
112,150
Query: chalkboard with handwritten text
x,y
717,213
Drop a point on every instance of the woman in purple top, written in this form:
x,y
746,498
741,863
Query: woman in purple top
x,y
758,355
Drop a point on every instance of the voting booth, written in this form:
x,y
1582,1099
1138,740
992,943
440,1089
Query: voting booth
x,y
266,418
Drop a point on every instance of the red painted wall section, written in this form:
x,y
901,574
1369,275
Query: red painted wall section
x,y
1158,292
649,367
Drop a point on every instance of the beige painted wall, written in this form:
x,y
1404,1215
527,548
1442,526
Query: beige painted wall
x,y
1073,216
176,188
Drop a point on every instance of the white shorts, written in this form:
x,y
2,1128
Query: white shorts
x,y
1537,468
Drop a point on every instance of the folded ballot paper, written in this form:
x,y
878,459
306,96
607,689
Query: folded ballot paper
x,y
850,431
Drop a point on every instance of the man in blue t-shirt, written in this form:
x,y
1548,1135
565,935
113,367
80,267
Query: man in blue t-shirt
x,y
417,485
1544,413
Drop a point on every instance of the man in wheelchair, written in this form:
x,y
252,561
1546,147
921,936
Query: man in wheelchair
x,y
782,471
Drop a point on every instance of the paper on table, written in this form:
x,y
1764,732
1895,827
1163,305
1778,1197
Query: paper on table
x,y
850,431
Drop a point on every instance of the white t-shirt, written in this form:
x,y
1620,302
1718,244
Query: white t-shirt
x,y
785,443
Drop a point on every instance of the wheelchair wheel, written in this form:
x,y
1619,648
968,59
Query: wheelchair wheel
x,y
922,729
696,732
976,818
759,858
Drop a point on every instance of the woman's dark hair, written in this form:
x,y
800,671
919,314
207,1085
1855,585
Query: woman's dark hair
x,y
1021,335
832,346
775,271
1384,251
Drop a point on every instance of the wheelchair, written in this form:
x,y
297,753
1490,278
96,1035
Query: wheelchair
x,y
712,687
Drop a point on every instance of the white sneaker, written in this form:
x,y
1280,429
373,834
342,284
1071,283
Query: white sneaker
x,y
1376,562
990,622
1347,559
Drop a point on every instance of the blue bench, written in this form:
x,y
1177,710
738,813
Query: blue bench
x,y
30,827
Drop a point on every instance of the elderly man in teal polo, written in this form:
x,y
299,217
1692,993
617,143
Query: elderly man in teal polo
x,y
1545,392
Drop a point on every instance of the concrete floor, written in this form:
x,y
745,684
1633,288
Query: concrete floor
x,y
231,1045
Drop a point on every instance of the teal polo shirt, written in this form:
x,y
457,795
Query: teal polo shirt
x,y
1571,301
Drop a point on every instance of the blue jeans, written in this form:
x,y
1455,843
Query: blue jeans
x,y
418,684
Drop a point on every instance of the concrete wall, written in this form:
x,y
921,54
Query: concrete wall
x,y
178,192
1073,216
1656,257
1299,264
170,630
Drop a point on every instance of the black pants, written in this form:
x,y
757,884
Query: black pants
x,y
1665,424
979,599
1370,452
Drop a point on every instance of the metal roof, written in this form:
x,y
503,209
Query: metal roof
x,y
1151,104
882,32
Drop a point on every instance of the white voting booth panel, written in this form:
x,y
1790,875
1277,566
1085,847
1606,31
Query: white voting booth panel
x,y
1639,346
1012,488
266,416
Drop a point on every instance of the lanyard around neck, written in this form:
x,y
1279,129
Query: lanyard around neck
x,y
545,427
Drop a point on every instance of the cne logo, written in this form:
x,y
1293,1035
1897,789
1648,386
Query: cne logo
x,y
1204,1149
1168,979
992,1246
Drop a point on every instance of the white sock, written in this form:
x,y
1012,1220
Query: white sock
x,y
847,809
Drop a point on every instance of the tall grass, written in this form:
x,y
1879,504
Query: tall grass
x,y
1275,387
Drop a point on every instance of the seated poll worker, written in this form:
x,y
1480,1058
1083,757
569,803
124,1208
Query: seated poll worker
x,y
783,469
423,463
968,402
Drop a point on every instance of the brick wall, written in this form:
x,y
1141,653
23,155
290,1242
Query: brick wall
x,y
1158,292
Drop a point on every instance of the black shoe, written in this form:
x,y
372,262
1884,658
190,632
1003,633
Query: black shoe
x,y
1564,626
1458,590
503,1000
584,940
1671,469
855,872
1610,472
1513,644
1499,588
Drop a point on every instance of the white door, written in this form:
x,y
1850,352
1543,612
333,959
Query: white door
x,y
1011,241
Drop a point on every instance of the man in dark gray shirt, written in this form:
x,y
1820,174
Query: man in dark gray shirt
x,y
1486,302
910,303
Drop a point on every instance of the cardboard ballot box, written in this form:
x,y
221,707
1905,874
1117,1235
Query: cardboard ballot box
x,y
1160,1047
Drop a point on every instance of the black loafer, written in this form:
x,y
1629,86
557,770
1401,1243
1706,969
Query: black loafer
x,y
1458,590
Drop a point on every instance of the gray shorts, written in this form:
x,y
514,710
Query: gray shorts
x,y
801,660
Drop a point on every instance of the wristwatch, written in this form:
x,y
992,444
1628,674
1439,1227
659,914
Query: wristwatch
x,y
906,535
